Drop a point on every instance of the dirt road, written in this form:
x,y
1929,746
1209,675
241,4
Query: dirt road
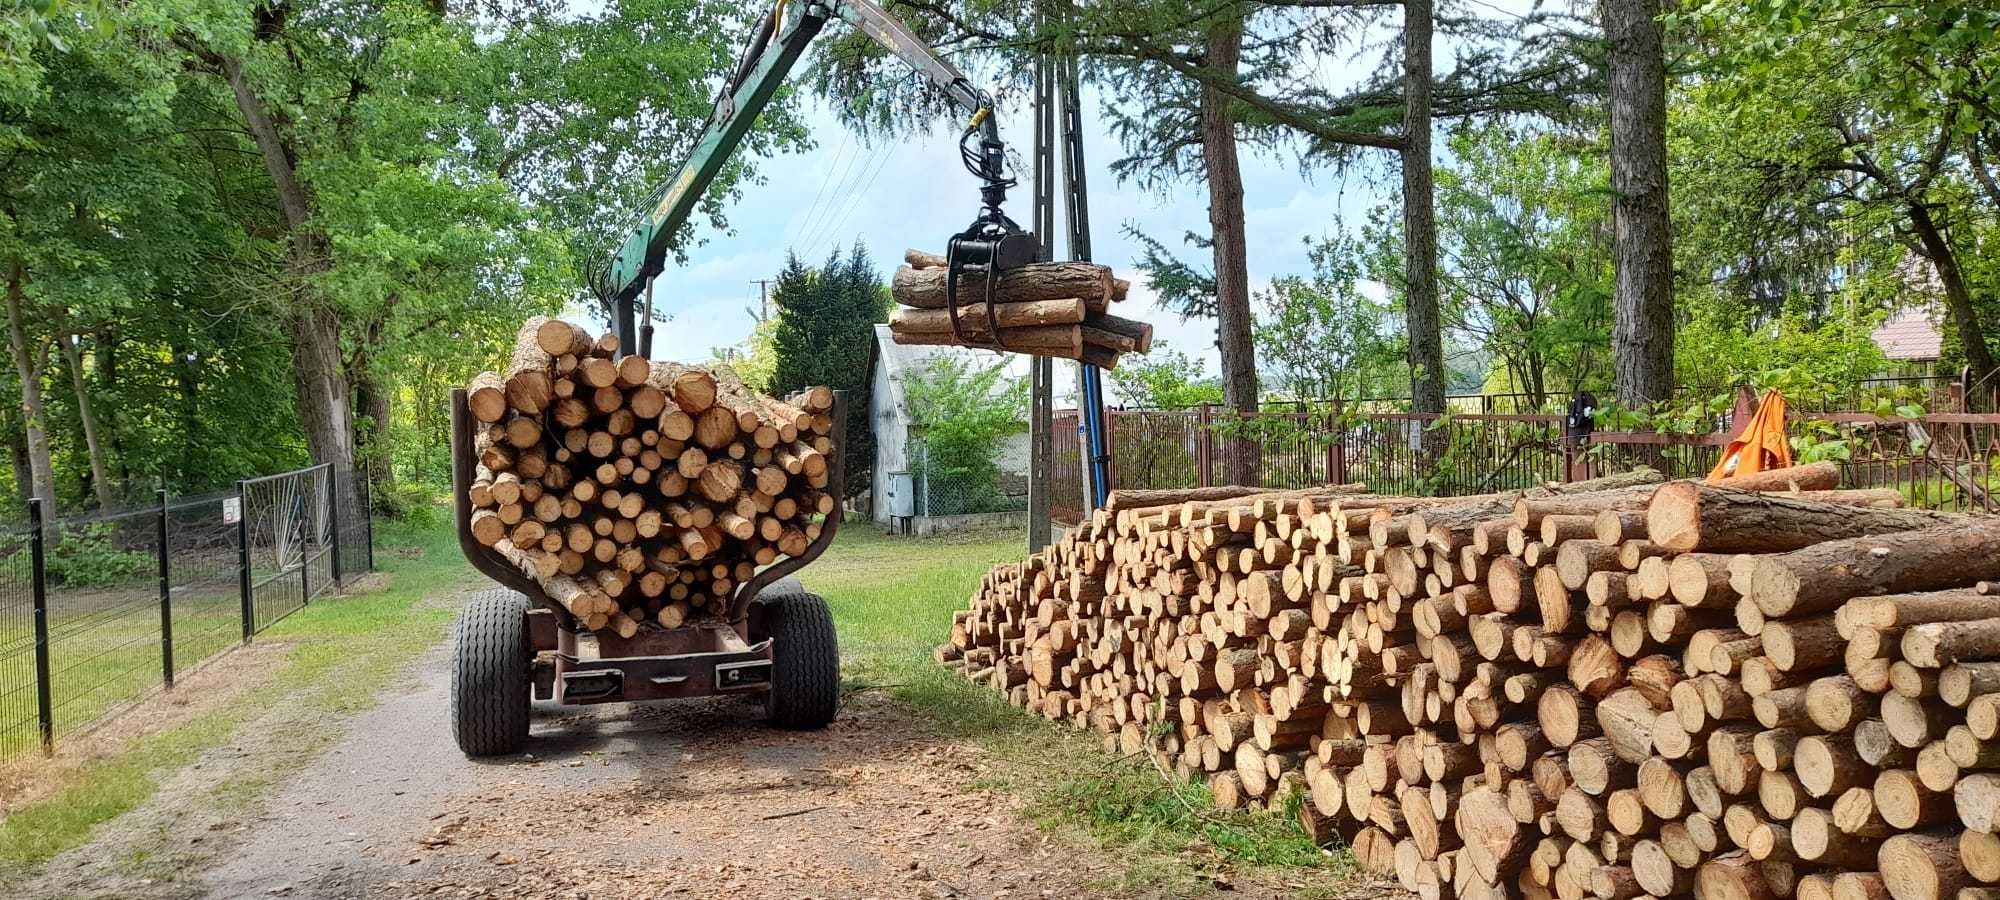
x,y
671,800
611,802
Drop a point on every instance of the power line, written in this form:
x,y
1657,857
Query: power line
x,y
838,185
854,200
811,209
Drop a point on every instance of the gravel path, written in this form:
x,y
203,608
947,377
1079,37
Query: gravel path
x,y
694,799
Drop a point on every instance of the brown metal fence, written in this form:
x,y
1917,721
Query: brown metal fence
x,y
1941,460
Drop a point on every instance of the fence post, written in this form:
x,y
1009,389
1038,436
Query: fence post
x,y
1205,447
243,563
44,701
1110,456
305,560
166,598
333,517
368,519
1335,473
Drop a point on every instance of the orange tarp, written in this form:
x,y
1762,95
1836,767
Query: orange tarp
x,y
1761,446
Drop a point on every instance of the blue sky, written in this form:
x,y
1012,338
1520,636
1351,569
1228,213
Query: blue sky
x,y
914,193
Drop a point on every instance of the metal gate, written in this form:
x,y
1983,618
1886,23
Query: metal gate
x,y
287,541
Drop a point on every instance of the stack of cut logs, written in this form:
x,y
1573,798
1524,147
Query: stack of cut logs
x,y
639,492
1048,309
1766,689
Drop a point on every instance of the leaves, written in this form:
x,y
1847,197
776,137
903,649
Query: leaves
x,y
824,333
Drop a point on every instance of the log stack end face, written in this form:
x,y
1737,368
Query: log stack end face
x,y
1712,692
587,482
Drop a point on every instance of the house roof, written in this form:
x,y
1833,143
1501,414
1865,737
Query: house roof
x,y
1910,334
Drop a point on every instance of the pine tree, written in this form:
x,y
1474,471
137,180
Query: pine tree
x,y
826,327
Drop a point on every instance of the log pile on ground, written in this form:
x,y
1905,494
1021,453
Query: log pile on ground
x,y
639,492
1653,690
1050,309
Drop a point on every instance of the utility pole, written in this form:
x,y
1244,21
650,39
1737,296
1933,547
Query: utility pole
x,y
763,297
1041,369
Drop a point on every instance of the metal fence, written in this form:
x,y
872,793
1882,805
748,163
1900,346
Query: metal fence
x,y
942,490
96,612
1940,460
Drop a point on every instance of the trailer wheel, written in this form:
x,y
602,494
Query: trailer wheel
x,y
489,675
805,665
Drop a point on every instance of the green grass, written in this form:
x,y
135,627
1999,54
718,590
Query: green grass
x,y
104,652
892,601
342,651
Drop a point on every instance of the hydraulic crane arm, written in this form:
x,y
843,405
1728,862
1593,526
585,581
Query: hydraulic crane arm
x,y
776,48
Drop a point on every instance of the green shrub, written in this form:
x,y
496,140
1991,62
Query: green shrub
x,y
959,415
89,556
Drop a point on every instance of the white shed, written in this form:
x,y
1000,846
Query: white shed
x,y
898,477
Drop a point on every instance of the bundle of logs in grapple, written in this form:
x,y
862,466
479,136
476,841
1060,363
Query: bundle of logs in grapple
x,y
635,491
1057,309
1771,689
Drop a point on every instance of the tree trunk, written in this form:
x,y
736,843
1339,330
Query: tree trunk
x,y
1688,515
373,396
1232,268
1971,335
1420,293
187,390
310,322
1642,249
28,366
100,478
105,346
17,456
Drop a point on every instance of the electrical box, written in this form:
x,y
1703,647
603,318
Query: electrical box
x,y
899,495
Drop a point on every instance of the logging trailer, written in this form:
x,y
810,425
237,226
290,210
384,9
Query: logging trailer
x,y
774,639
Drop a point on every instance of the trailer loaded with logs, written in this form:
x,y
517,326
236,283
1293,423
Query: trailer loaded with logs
x,y
646,516
1768,689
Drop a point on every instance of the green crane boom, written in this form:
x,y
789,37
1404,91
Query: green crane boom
x,y
992,240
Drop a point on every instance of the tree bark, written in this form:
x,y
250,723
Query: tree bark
x,y
1688,515
100,478
1420,292
1642,249
1087,285
1821,577
17,457
374,397
1944,259
1232,268
311,323
28,366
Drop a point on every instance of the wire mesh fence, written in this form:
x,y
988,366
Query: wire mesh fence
x,y
942,489
97,612
205,607
19,663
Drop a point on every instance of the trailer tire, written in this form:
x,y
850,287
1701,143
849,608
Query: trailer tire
x,y
489,675
805,663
